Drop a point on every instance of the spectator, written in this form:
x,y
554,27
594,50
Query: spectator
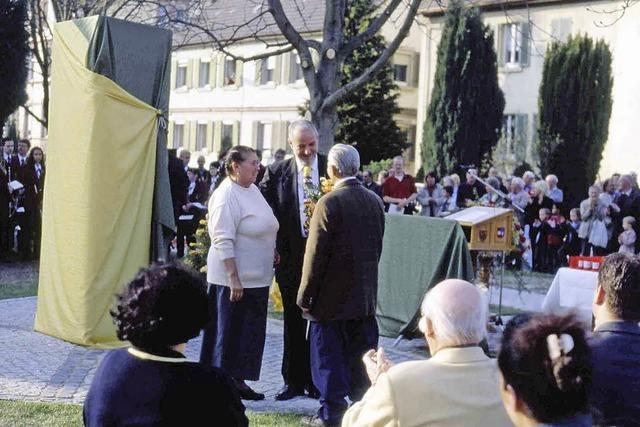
x,y
455,182
609,192
593,227
529,179
553,191
627,238
382,177
459,383
448,201
192,211
6,237
545,366
626,203
33,198
538,201
20,171
518,197
185,156
201,172
152,383
400,190
491,198
540,231
493,173
470,191
214,177
367,181
571,244
616,342
279,155
240,263
178,182
430,196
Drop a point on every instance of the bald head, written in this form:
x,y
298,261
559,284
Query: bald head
x,y
457,313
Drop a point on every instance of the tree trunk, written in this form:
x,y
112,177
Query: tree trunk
x,y
325,121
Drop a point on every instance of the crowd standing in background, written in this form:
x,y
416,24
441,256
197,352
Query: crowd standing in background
x,y
22,175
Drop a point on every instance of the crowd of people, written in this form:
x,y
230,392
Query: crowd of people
x,y
22,175
603,223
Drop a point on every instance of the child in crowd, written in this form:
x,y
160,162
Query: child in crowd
x,y
555,236
449,204
627,238
570,242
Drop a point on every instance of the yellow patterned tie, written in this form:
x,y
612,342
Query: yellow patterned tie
x,y
307,185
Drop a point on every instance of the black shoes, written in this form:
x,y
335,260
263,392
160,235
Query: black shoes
x,y
289,392
313,392
247,393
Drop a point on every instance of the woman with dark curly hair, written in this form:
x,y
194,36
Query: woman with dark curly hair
x,y
545,366
152,383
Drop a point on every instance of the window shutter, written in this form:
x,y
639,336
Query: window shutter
x,y
196,72
213,71
209,140
521,135
287,59
276,135
193,127
277,72
500,44
220,74
254,134
217,137
170,134
525,45
239,67
258,74
415,70
174,72
190,65
235,133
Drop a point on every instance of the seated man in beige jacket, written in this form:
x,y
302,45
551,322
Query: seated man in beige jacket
x,y
457,386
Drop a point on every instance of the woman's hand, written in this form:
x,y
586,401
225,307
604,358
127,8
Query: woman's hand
x,y
236,289
276,257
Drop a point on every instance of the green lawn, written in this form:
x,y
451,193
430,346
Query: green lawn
x,y
18,289
30,414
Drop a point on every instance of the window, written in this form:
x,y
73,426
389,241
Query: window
x,y
514,134
561,29
181,75
263,139
295,70
229,72
201,136
178,135
227,137
203,74
267,70
400,72
512,44
410,136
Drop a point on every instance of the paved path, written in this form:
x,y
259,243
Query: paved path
x,y
34,366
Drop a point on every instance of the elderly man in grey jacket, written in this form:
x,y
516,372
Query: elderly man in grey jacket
x,y
338,291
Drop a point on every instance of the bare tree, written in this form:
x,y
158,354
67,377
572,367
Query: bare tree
x,y
321,60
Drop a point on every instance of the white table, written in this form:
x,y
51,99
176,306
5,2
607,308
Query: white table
x,y
571,289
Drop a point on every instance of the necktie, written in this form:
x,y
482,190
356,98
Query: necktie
x,y
307,186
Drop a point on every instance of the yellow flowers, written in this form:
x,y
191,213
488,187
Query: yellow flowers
x,y
325,185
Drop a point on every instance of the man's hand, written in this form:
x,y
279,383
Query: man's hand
x,y
236,289
376,363
305,310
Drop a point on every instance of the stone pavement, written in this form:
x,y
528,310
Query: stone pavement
x,y
34,366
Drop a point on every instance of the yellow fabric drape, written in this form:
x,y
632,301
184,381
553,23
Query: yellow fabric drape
x,y
98,196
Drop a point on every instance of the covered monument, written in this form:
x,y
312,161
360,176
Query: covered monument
x,y
107,208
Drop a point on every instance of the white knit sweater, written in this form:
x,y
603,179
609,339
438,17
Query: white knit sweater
x,y
241,226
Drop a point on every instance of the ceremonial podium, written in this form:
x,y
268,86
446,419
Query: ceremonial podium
x,y
486,229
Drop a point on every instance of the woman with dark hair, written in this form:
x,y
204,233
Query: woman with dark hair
x,y
431,196
545,367
152,383
239,271
34,188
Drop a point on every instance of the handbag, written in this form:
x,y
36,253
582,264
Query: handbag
x,y
598,236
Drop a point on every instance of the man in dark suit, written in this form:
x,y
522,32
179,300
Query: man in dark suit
x,y
470,190
179,184
616,342
22,216
339,287
6,237
625,203
369,184
283,187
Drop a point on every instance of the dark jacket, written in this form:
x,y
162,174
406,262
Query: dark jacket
x,y
470,192
179,184
340,272
280,188
127,390
532,210
373,187
616,374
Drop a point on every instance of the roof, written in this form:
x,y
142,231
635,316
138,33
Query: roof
x,y
438,8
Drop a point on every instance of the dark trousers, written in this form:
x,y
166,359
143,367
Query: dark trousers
x,y
296,370
24,220
185,229
6,236
337,348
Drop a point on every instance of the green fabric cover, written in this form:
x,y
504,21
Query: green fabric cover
x,y
129,53
417,254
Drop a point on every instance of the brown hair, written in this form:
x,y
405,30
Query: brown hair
x,y
236,154
619,277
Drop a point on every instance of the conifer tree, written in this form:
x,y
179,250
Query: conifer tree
x,y
464,116
365,116
574,105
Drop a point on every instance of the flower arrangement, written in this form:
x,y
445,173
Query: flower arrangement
x,y
313,194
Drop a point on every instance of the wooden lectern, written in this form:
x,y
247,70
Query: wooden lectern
x,y
487,229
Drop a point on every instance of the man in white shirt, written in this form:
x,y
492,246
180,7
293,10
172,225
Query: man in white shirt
x,y
283,186
553,191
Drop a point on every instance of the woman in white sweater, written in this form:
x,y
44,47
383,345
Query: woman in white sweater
x,y
239,271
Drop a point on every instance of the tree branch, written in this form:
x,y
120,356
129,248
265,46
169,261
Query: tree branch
x,y
336,96
371,31
32,114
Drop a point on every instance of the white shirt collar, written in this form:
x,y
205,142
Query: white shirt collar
x,y
300,164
